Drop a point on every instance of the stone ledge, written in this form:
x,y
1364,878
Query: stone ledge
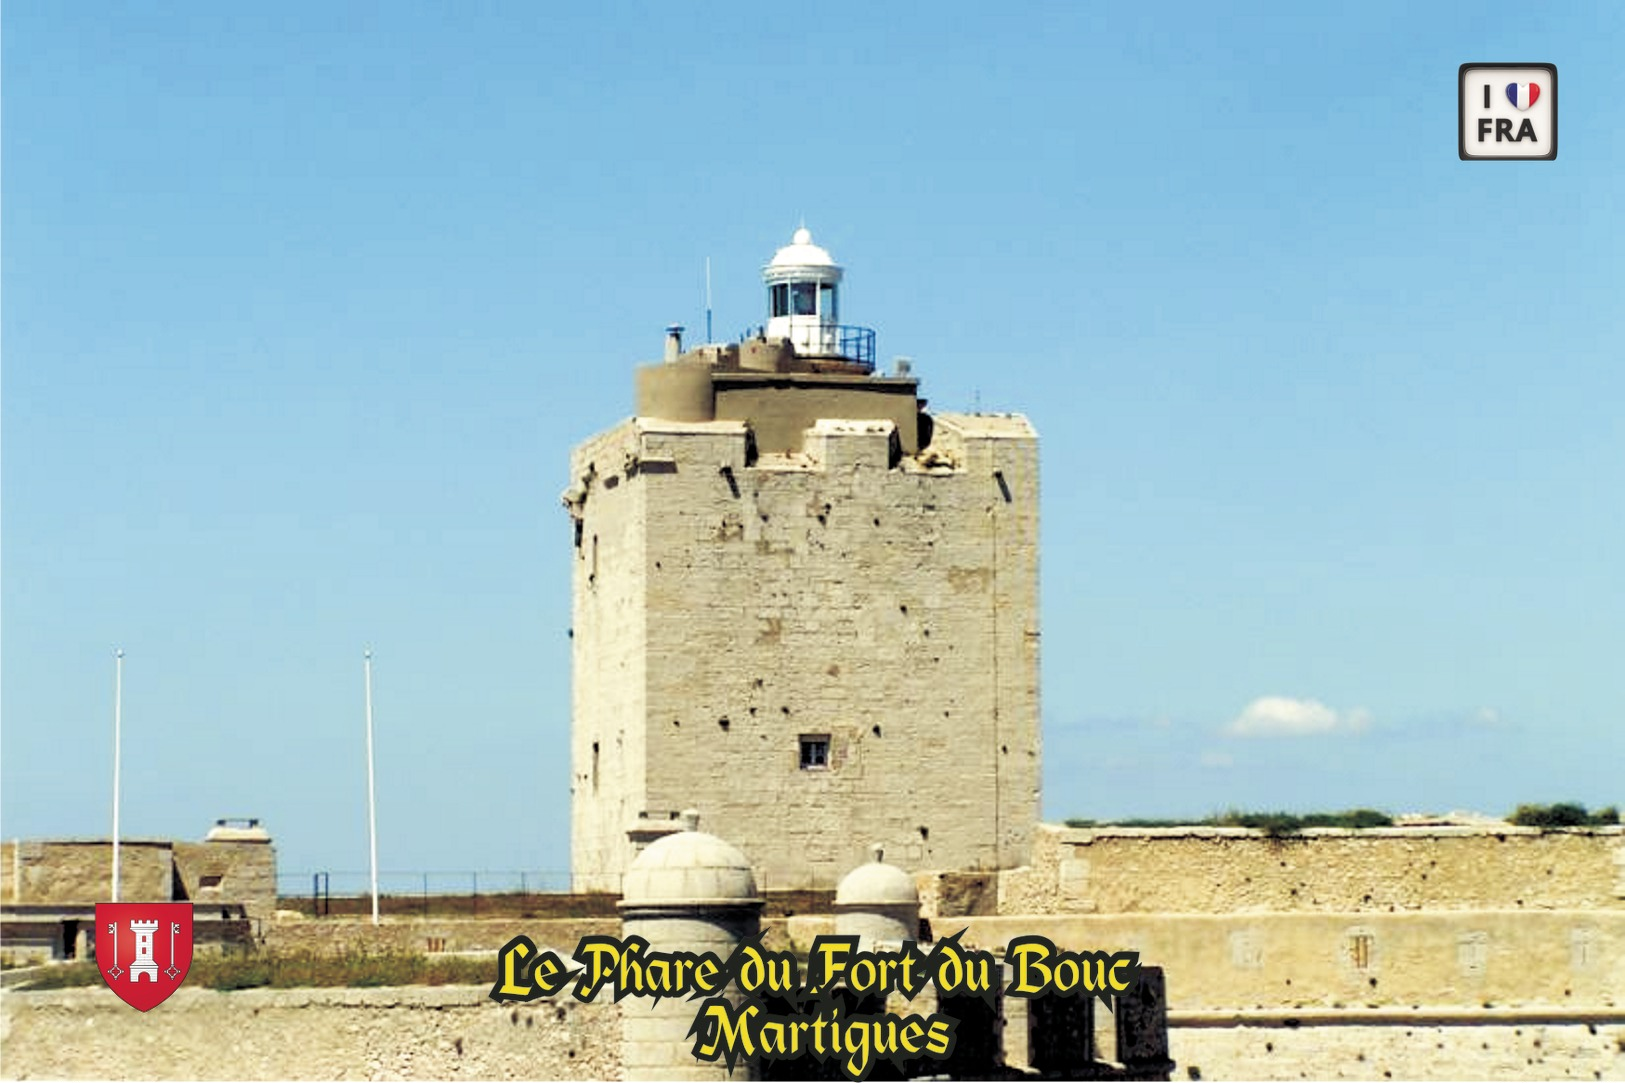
x,y
184,999
1083,836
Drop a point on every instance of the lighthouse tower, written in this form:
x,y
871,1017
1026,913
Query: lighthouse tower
x,y
803,285
805,606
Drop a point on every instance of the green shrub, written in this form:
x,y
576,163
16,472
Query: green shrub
x,y
65,976
1356,818
1562,814
1273,824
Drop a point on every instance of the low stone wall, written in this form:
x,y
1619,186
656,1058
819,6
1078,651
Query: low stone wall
x,y
1216,870
1500,1051
338,936
457,1032
417,1033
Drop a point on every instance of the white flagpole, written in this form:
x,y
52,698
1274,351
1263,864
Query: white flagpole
x,y
118,737
372,810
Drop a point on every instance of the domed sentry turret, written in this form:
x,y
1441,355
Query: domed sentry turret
x,y
878,903
689,891
688,869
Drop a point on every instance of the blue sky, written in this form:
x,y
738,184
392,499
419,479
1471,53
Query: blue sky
x,y
305,305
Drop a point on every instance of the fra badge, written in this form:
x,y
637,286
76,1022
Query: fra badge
x,y
1507,112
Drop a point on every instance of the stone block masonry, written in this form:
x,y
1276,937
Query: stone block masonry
x,y
1216,870
447,1032
819,650
59,871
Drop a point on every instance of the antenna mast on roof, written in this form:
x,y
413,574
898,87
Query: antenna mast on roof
x,y
708,300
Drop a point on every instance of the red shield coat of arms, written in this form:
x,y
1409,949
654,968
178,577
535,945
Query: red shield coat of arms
x,y
144,950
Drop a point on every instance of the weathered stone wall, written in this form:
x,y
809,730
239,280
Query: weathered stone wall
x,y
1566,958
1380,870
458,1032
450,1032
733,608
78,871
609,634
782,409
1454,916
1468,1051
229,872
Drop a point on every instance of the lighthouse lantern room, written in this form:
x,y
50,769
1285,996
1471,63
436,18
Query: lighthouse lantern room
x,y
803,303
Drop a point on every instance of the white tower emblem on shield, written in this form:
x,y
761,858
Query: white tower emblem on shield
x,y
144,962
119,921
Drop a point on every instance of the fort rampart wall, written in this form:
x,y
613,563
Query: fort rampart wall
x,y
1412,917
1217,870
458,1032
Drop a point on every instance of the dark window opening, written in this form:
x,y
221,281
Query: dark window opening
x,y
815,753
804,299
826,302
779,299
595,768
208,881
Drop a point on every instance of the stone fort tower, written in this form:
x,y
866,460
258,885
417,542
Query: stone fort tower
x,y
804,606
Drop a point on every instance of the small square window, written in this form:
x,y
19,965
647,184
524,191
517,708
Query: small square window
x,y
815,752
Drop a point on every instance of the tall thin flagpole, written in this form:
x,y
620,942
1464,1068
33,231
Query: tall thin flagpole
x,y
708,299
372,808
118,738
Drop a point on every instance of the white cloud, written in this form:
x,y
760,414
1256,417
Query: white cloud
x,y
1283,716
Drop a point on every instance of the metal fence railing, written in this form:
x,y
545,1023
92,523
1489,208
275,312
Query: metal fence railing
x,y
848,341
326,892
488,893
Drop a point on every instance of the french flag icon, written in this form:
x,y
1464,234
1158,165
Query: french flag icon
x,y
1523,95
